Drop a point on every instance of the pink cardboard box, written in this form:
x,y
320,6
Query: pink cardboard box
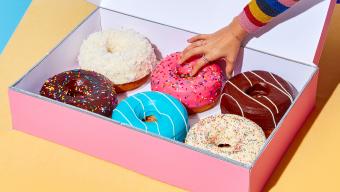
x,y
166,160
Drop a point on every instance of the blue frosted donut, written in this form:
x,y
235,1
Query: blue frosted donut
x,y
154,112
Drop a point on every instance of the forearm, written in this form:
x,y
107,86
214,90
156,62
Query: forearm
x,y
259,13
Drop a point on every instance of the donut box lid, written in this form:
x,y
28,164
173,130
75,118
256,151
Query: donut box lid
x,y
298,35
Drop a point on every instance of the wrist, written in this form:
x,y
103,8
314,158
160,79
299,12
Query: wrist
x,y
237,30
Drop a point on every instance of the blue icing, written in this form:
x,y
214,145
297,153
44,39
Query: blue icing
x,y
172,117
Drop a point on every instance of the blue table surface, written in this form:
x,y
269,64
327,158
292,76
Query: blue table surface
x,y
11,13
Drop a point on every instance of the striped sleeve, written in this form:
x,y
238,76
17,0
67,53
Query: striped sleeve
x,y
260,12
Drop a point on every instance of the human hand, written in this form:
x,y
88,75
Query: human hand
x,y
223,44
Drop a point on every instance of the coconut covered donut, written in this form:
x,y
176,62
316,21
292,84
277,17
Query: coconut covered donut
x,y
124,56
230,136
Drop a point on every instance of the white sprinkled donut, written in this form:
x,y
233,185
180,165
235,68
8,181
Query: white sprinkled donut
x,y
122,55
230,136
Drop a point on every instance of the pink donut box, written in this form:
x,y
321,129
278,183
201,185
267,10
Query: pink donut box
x,y
159,158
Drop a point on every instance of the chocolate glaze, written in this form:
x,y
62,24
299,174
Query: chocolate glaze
x,y
260,96
84,89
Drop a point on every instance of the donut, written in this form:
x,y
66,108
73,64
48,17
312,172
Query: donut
x,y
84,89
198,93
229,136
260,96
123,55
154,112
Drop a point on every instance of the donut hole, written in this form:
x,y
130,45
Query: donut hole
x,y
224,145
150,118
184,76
111,47
74,92
258,90
75,88
183,71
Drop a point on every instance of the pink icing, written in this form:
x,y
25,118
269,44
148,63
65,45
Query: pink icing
x,y
194,92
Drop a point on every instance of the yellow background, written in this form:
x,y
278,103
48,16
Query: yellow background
x,y
312,163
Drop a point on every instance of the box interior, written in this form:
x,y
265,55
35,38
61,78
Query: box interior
x,y
166,40
283,36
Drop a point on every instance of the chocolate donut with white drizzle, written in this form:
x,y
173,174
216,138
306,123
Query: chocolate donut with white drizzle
x,y
260,96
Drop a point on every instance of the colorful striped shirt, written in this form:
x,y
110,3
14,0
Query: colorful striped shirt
x,y
260,12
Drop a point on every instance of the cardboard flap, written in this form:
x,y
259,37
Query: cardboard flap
x,y
298,34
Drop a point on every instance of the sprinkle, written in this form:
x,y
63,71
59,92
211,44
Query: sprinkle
x,y
86,89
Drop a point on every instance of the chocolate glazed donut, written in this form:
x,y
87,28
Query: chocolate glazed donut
x,y
260,96
84,89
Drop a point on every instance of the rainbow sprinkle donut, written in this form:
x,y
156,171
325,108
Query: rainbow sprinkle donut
x,y
154,112
198,93
229,136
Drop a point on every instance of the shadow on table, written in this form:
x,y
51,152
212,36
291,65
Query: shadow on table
x,y
329,78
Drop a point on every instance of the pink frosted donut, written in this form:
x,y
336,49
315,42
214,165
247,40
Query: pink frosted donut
x,y
198,93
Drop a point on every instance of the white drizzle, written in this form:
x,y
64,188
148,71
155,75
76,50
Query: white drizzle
x,y
238,104
277,110
251,84
124,117
159,133
133,112
186,126
173,125
279,83
284,92
141,103
263,105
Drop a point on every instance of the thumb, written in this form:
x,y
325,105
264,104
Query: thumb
x,y
229,68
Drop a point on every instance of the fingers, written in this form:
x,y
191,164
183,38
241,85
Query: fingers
x,y
199,43
190,53
193,45
197,37
195,48
229,68
203,61
187,49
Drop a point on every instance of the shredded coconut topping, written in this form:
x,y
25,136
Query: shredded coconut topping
x,y
122,55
